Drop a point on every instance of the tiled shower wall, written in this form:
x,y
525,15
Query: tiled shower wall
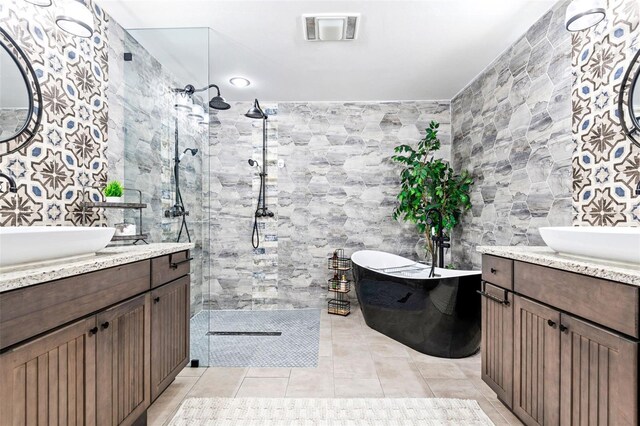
x,y
141,148
336,189
512,131
69,151
606,164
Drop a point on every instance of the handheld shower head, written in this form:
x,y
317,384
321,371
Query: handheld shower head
x,y
193,151
254,163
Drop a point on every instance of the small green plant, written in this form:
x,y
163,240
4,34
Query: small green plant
x,y
113,189
428,184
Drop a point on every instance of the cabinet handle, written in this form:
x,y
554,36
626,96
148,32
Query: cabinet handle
x,y
493,271
105,325
174,265
552,324
156,299
495,299
93,331
563,328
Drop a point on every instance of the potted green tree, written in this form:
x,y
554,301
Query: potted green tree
x,y
113,192
430,186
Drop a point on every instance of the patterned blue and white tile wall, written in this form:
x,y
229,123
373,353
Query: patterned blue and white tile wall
x,y
69,151
606,164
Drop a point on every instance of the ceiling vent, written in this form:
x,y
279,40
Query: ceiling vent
x,y
331,27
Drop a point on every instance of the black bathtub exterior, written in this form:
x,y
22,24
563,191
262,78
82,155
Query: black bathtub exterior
x,y
438,317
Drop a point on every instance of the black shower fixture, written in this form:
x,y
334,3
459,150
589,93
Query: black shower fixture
x,y
193,152
256,112
217,102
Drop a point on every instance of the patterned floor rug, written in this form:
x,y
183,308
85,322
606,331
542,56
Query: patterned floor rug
x,y
330,412
286,338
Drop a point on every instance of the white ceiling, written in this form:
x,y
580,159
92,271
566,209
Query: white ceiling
x,y
406,50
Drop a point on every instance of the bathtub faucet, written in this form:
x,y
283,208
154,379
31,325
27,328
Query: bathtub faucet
x,y
440,241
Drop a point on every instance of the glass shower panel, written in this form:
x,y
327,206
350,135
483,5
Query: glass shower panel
x,y
155,133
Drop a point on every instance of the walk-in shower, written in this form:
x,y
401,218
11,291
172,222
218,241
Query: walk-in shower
x,y
185,102
256,113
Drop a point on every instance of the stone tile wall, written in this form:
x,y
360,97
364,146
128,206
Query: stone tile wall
x,y
337,188
141,148
512,130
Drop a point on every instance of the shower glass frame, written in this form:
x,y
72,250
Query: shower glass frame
x,y
160,55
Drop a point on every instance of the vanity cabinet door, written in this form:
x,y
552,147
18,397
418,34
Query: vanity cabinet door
x,y
170,311
51,380
536,365
497,341
599,376
122,362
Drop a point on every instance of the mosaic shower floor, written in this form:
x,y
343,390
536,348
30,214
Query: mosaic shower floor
x,y
297,345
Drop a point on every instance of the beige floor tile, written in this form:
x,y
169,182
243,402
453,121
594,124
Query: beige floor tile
x,y
263,387
301,386
346,348
163,408
399,378
388,349
354,367
439,370
326,348
268,372
486,391
454,388
491,411
192,372
358,388
312,382
218,382
506,413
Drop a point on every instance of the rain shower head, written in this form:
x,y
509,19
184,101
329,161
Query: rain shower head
x,y
256,112
217,102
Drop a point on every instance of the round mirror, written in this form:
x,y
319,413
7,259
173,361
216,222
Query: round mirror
x,y
14,98
629,100
20,97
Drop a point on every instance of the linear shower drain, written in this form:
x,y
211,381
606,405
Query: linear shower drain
x,y
244,333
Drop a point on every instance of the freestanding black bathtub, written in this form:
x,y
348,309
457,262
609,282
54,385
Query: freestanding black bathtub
x,y
437,316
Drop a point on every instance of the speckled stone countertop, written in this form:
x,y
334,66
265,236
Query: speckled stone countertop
x,y
14,277
620,272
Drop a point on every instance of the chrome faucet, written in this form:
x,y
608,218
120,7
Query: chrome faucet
x,y
12,183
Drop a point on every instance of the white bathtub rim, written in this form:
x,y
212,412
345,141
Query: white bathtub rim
x,y
379,261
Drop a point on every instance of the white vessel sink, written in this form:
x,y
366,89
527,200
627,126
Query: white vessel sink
x,y
28,244
618,244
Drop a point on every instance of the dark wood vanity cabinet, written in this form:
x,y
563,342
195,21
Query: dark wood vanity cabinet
x,y
123,362
104,369
170,333
536,362
565,370
497,341
51,380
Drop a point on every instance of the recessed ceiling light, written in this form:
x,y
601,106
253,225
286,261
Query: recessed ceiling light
x,y
74,17
239,82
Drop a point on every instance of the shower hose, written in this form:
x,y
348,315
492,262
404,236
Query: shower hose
x,y
183,225
255,236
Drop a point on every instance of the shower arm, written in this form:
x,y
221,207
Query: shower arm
x,y
189,89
